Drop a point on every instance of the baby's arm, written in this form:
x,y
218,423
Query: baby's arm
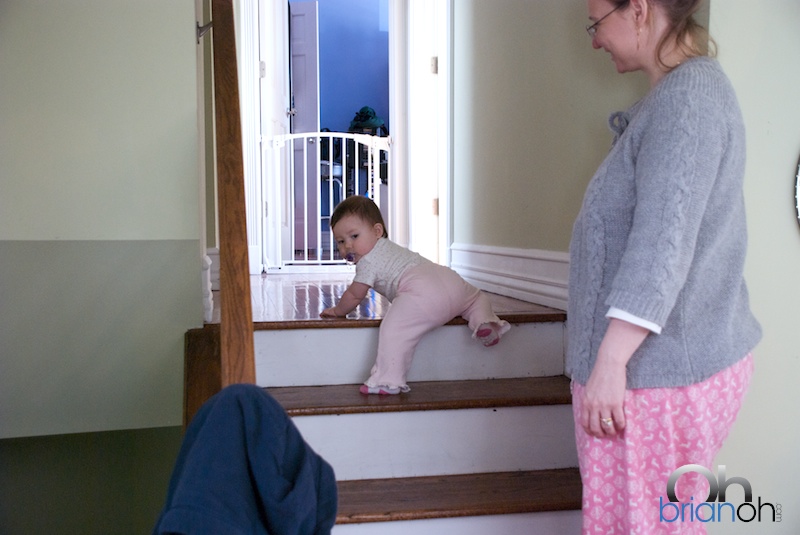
x,y
350,299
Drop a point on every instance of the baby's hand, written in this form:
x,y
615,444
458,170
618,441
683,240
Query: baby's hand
x,y
328,313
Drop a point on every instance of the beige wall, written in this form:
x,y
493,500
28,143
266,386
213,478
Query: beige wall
x,y
531,103
760,50
99,116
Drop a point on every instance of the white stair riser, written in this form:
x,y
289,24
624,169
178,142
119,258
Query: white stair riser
x,y
304,357
546,523
422,443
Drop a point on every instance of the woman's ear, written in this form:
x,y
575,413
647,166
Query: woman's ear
x,y
639,9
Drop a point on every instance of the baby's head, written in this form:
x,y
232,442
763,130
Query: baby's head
x,y
357,226
360,207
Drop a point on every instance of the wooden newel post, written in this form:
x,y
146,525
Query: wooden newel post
x,y
236,322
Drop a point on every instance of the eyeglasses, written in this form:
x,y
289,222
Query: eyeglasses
x,y
592,28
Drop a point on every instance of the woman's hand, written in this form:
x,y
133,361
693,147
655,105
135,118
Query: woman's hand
x,y
603,399
604,394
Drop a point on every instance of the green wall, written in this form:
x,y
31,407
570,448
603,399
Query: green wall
x,y
100,247
106,483
93,339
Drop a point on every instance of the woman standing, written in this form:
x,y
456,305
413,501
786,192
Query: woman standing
x,y
660,329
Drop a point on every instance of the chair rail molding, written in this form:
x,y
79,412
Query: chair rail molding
x,y
533,275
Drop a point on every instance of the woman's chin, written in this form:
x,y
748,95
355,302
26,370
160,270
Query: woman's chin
x,y
622,68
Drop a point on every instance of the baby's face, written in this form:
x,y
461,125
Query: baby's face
x,y
355,237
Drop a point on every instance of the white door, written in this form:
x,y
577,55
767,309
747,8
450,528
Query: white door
x,y
289,104
304,83
423,150
273,26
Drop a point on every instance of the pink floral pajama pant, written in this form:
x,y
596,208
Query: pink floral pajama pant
x,y
625,477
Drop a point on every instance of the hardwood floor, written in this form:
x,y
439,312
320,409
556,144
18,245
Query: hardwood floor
x,y
300,298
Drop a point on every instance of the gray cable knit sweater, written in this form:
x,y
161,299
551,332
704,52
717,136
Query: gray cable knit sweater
x,y
662,235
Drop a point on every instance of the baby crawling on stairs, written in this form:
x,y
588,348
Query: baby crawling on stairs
x,y
423,295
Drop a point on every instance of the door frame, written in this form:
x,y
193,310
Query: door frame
x,y
429,159
402,228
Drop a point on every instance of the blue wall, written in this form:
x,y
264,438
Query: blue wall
x,y
354,60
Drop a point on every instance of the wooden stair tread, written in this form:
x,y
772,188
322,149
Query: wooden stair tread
x,y
430,395
535,314
382,500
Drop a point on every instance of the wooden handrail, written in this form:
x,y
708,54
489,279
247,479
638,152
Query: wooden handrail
x,y
236,317
220,355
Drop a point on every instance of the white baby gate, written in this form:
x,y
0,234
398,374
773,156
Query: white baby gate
x,y
309,174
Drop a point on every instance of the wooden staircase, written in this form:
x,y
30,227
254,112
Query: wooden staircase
x,y
402,499
483,443
485,447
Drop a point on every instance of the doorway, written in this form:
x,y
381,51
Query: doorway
x,y
265,94
339,84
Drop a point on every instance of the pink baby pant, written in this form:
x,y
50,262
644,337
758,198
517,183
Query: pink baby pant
x,y
428,296
625,476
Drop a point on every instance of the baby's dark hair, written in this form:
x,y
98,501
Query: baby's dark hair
x,y
361,207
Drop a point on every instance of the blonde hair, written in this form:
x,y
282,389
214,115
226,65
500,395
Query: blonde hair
x,y
684,30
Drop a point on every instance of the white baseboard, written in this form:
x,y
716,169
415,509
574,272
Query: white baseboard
x,y
531,275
